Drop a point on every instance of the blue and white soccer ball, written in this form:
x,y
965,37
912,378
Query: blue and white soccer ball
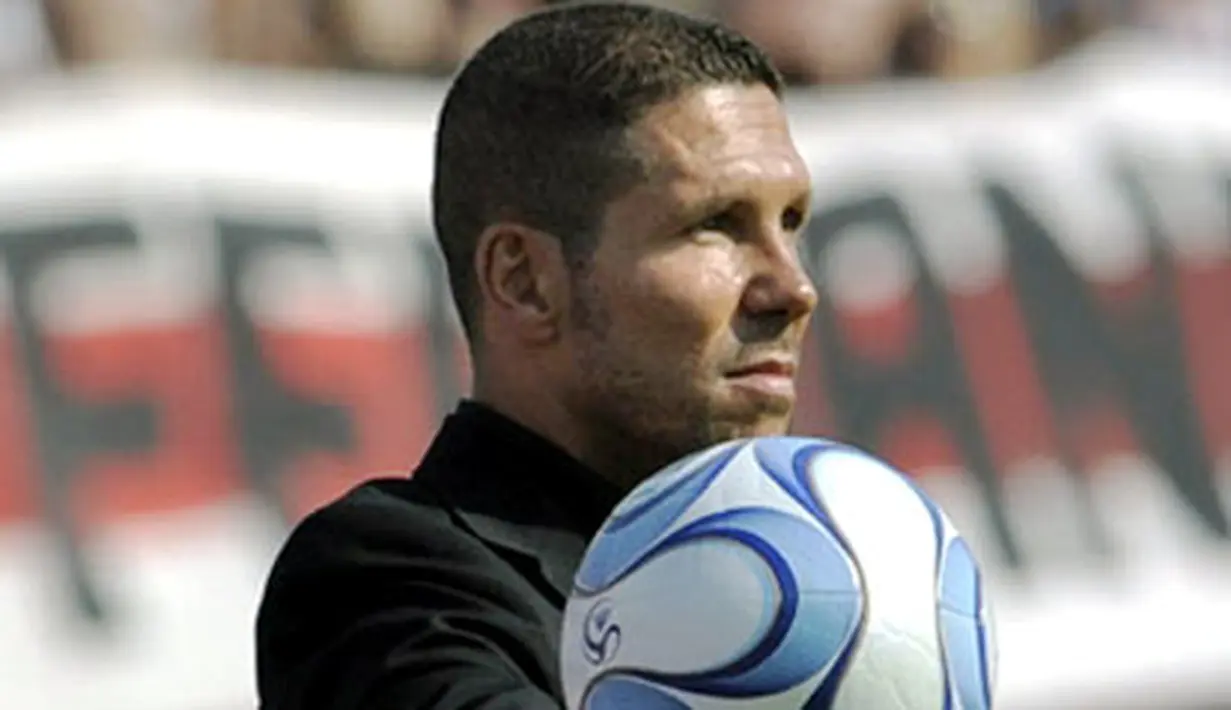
x,y
778,573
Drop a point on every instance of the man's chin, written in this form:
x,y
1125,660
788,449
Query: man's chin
x,y
764,410
756,423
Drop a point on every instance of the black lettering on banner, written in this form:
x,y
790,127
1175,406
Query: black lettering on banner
x,y
1133,349
273,423
866,396
1186,457
67,431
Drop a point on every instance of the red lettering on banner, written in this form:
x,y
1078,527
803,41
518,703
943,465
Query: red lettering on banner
x,y
178,368
1204,293
1098,431
18,499
883,335
890,335
1002,372
384,383
916,440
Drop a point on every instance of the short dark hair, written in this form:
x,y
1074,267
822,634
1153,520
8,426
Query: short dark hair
x,y
532,129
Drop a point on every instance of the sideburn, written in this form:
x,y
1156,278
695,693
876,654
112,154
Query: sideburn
x,y
588,313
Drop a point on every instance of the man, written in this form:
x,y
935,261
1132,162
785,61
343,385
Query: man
x,y
619,200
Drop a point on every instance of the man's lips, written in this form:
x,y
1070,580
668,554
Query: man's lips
x,y
775,367
771,378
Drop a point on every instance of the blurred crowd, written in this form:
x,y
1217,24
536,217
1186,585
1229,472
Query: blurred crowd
x,y
815,41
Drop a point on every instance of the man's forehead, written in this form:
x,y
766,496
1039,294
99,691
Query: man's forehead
x,y
718,133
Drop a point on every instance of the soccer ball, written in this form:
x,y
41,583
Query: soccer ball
x,y
778,573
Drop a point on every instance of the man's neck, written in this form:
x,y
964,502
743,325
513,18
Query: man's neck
x,y
553,420
544,416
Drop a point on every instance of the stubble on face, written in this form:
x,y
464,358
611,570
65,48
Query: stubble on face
x,y
638,421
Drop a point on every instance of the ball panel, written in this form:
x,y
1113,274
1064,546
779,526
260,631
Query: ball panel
x,y
965,661
600,634
619,692
818,614
823,697
942,529
729,582
890,533
722,591
990,649
959,580
645,516
786,461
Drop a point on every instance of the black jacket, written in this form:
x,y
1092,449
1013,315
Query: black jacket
x,y
441,591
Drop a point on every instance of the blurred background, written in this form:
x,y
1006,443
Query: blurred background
x,y
821,42
221,305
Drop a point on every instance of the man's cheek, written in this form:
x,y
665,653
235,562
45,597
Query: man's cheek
x,y
693,309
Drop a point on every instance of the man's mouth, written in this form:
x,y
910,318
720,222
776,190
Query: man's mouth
x,y
771,377
769,367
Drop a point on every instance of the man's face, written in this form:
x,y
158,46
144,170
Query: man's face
x,y
687,324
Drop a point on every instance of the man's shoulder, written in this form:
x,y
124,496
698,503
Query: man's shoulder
x,y
388,566
383,515
374,500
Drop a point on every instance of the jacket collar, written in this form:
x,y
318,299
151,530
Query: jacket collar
x,y
517,490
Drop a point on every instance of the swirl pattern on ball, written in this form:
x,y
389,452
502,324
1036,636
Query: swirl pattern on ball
x,y
647,514
778,572
818,608
964,629
812,602
601,637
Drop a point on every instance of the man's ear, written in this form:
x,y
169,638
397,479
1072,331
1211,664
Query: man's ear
x,y
523,277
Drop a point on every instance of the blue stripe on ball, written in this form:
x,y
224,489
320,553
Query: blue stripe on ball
x,y
819,612
964,660
788,460
985,667
959,580
619,692
823,697
621,547
963,638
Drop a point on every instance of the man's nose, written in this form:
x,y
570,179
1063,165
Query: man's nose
x,y
781,286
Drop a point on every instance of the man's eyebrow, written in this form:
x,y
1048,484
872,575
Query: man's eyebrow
x,y
722,198
718,202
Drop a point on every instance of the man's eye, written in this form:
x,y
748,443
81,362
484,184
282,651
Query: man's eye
x,y
793,219
724,222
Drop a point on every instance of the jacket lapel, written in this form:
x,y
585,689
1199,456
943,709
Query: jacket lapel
x,y
518,492
554,553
